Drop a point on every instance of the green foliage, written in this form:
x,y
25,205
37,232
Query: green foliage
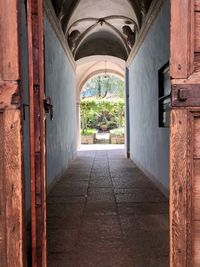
x,y
88,132
102,112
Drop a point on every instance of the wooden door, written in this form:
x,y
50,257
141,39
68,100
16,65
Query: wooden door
x,y
35,27
12,251
185,134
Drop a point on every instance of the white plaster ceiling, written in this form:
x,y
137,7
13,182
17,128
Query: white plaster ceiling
x,y
90,24
101,9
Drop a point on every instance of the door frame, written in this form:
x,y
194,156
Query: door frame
x,y
184,68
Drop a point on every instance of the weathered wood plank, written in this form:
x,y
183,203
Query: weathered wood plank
x,y
196,244
9,69
182,39
196,135
32,133
43,133
9,95
197,63
197,32
2,197
178,188
197,5
196,190
37,129
12,251
13,187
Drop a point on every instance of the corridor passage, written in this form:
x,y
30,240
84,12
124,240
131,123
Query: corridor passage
x,y
105,213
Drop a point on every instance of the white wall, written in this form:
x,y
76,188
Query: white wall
x,y
149,144
61,87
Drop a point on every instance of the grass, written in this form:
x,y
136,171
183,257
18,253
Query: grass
x,y
88,132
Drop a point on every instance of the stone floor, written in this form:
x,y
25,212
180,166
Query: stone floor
x,y
106,213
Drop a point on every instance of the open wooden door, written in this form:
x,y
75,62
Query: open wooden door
x,y
185,134
35,26
11,160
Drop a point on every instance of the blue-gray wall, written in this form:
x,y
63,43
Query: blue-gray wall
x,y
24,71
149,144
61,87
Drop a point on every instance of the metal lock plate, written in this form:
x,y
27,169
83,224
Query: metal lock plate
x,y
186,95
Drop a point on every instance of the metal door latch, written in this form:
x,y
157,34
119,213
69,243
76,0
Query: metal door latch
x,y
24,110
183,94
48,107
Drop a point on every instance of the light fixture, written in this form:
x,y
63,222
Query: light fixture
x,y
105,76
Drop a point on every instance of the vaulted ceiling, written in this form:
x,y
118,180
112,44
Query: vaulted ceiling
x,y
101,27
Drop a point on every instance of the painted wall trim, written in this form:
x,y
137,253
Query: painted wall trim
x,y
151,16
50,13
155,181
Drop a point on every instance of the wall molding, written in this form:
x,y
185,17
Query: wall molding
x,y
50,13
150,18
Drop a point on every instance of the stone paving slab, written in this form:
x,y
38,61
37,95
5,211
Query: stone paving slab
x,y
105,212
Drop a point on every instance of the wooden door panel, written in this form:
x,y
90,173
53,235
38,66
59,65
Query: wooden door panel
x,y
197,37
185,126
196,244
9,56
178,186
195,154
37,131
182,34
12,236
197,32
197,5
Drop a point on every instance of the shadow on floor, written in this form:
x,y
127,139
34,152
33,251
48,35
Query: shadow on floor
x,y
106,213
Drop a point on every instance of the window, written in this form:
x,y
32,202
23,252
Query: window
x,y
164,98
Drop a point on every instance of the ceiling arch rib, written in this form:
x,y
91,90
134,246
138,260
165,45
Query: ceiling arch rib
x,y
106,19
121,19
97,22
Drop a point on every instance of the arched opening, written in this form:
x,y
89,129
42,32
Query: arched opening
x,y
102,109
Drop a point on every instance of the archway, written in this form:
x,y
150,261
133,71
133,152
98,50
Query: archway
x,y
102,106
134,31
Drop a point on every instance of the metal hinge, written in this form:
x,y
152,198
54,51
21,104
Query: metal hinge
x,y
186,95
24,110
48,106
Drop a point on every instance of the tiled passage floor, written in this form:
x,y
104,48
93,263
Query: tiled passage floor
x,y
106,213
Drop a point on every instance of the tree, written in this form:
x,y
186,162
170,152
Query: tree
x,y
104,86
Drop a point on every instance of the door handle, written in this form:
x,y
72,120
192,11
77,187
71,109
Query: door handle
x,y
48,106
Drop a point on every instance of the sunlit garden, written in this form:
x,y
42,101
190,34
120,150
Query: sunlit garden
x,y
103,111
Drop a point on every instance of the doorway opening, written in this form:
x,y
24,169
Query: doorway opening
x,y
102,110
102,180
